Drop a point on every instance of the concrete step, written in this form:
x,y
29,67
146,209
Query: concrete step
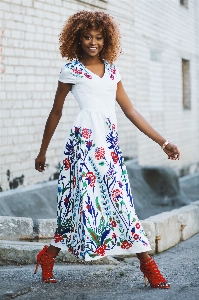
x,y
20,253
164,231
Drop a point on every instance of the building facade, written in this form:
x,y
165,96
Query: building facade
x,y
159,68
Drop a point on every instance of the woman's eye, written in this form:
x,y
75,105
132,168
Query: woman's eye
x,y
87,37
99,38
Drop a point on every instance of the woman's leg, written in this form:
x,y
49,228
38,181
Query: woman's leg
x,y
46,259
150,270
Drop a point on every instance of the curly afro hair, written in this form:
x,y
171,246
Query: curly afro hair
x,y
82,21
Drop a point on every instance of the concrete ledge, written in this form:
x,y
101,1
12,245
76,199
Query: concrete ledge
x,y
164,231
45,228
189,218
167,230
149,228
13,228
195,203
25,253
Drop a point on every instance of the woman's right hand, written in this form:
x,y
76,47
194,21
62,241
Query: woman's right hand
x,y
40,162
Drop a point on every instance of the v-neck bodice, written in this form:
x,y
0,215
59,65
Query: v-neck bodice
x,y
92,71
91,91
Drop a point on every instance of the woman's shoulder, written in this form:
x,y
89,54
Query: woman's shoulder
x,y
70,65
69,72
73,68
76,69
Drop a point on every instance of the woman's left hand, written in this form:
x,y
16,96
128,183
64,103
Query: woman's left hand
x,y
172,151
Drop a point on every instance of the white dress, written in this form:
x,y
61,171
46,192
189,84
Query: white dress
x,y
95,211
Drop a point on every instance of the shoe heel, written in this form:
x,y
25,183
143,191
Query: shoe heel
x,y
36,267
145,281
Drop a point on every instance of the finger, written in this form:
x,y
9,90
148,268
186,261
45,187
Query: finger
x,y
178,155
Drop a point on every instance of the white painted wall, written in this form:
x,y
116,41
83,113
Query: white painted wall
x,y
166,32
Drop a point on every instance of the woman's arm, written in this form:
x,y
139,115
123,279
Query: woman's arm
x,y
51,124
134,116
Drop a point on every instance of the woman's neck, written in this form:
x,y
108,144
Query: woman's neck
x,y
90,60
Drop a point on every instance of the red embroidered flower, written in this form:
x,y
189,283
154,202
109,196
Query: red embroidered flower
x,y
66,163
126,245
58,238
101,250
86,133
116,194
88,76
114,157
113,70
70,249
66,200
112,77
91,178
99,153
74,182
76,71
136,236
89,144
114,236
137,225
113,223
88,206
113,126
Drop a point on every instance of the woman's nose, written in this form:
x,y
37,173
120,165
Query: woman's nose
x,y
93,41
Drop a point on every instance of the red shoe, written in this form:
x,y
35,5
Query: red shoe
x,y
151,272
46,259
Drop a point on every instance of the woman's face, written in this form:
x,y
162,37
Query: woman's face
x,y
92,42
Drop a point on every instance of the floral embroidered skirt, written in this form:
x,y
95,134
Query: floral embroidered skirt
x,y
95,211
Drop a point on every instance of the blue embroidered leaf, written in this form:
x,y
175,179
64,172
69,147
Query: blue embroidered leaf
x,y
84,218
104,235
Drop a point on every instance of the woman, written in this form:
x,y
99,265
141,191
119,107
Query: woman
x,y
95,212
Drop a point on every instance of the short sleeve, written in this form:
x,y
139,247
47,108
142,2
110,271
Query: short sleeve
x,y
66,75
117,75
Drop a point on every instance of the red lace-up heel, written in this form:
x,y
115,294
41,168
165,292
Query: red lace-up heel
x,y
46,259
151,272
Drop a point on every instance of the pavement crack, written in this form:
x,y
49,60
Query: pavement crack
x,y
17,294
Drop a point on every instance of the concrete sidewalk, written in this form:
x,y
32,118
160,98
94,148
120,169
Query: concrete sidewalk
x,y
124,281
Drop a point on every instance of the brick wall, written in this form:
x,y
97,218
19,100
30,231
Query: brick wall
x,y
166,33
30,64
155,34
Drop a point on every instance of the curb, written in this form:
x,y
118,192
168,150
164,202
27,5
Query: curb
x,y
23,253
164,231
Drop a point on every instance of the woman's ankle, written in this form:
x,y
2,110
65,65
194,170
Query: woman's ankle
x,y
54,250
143,256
